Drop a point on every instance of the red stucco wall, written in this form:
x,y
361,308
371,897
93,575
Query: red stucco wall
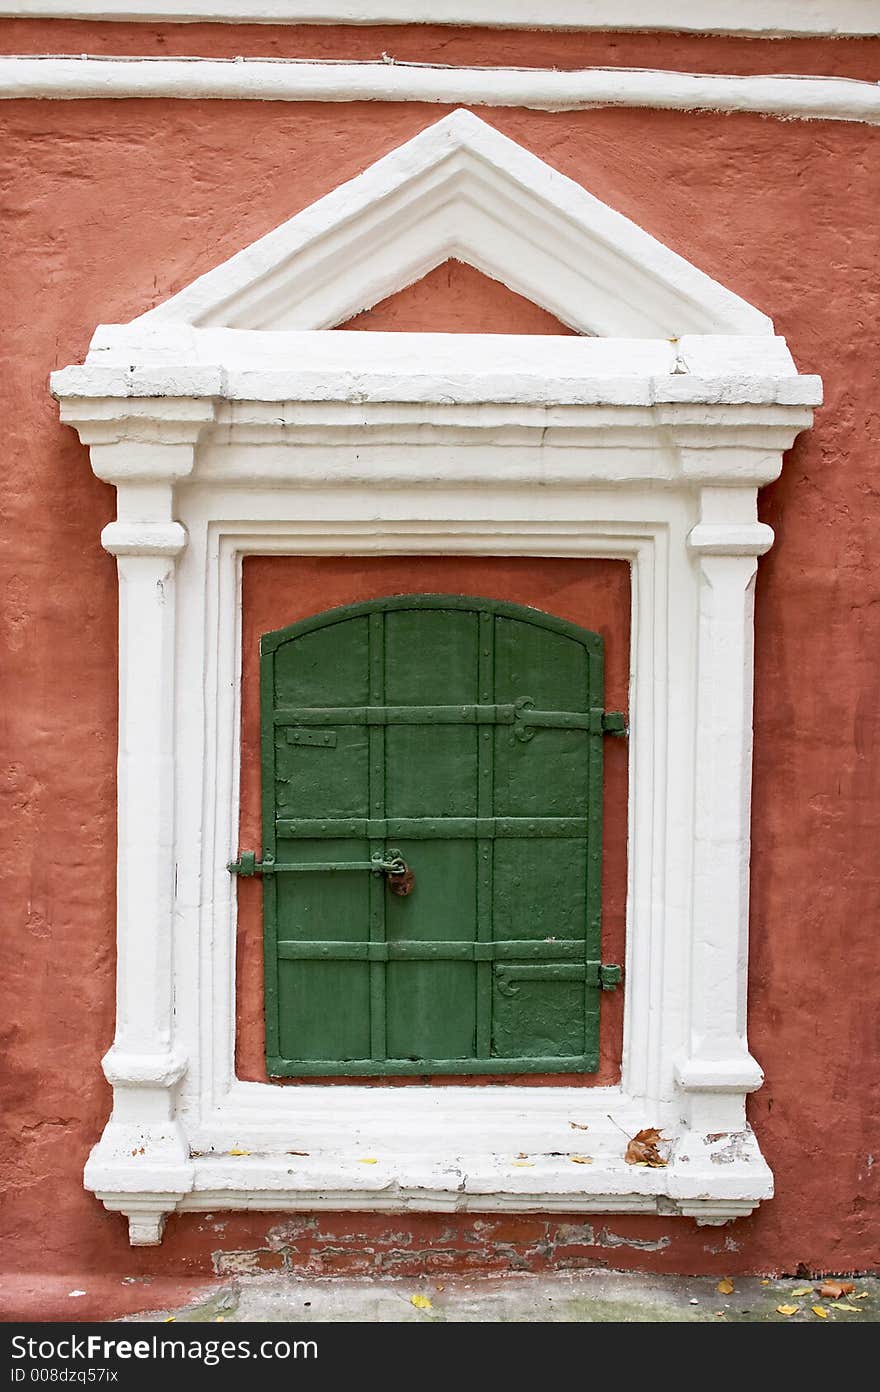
x,y
110,206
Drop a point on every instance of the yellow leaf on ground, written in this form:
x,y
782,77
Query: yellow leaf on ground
x,y
803,1290
581,1159
862,1295
524,1164
820,1311
421,1302
765,1283
238,1152
853,1309
725,1287
787,1309
368,1160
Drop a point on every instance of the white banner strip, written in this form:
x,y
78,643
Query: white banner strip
x,y
259,79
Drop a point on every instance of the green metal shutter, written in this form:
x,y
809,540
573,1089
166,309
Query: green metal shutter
x,y
454,745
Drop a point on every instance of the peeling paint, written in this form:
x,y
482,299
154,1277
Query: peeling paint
x,y
735,1149
639,1244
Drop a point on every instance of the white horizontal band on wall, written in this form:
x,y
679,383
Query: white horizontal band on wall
x,y
768,17
260,79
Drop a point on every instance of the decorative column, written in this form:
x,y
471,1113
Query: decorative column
x,y
141,1166
717,1070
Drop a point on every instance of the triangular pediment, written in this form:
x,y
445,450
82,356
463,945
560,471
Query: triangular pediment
x,y
460,190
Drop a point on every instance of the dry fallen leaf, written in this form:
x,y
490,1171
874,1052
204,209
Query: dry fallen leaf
x,y
297,1152
524,1164
581,1159
642,1149
725,1287
368,1160
238,1152
820,1311
787,1309
578,1126
853,1309
522,1155
862,1295
833,1290
803,1290
764,1283
421,1302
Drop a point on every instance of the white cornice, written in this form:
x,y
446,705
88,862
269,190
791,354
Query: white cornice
x,y
763,17
446,369
540,89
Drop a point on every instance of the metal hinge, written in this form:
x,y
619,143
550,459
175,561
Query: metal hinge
x,y
613,723
527,720
605,974
610,976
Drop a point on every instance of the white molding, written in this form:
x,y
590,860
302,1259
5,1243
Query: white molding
x,y
540,89
762,17
224,443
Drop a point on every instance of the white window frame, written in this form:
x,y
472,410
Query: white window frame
x,y
227,436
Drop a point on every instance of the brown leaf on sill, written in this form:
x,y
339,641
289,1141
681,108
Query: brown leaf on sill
x,y
297,1152
642,1149
578,1126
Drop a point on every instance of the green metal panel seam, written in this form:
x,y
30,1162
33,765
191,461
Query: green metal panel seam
x,y
376,754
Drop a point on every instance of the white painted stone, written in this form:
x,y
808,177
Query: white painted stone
x,y
541,89
764,17
404,445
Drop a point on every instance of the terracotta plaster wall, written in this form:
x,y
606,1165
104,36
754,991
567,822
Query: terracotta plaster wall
x,y
108,207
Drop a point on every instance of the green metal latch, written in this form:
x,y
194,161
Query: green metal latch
x,y
247,864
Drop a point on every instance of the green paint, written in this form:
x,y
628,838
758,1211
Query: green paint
x,y
461,738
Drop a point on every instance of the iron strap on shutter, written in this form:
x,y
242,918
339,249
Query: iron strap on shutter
x,y
521,714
